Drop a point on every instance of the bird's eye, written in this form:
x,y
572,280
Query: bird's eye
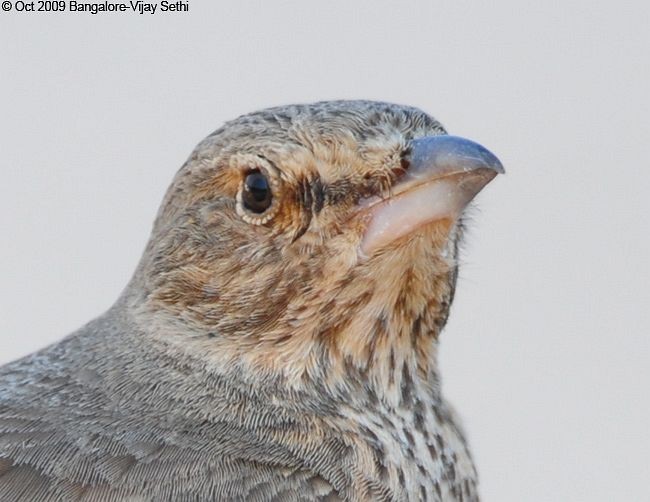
x,y
256,195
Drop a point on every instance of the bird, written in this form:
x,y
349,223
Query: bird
x,y
278,339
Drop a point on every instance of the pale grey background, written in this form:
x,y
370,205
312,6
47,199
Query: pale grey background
x,y
547,352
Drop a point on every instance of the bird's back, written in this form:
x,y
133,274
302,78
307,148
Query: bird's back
x,y
94,418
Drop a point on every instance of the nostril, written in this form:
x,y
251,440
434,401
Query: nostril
x,y
405,159
404,164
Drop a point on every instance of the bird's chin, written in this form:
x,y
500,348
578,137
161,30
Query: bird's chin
x,y
415,208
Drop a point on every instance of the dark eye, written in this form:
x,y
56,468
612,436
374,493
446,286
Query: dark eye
x,y
257,192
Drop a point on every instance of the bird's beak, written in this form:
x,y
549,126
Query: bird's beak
x,y
444,174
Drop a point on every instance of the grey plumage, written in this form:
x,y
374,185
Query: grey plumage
x,y
83,421
191,387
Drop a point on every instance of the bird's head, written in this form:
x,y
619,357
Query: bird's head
x,y
312,241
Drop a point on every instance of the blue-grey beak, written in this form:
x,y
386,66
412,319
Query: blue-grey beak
x,y
441,155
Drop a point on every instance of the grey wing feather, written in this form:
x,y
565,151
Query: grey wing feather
x,y
80,422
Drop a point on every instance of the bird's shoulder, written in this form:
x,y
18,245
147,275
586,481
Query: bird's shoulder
x,y
72,430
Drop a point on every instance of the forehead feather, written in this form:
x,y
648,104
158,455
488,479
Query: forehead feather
x,y
331,132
